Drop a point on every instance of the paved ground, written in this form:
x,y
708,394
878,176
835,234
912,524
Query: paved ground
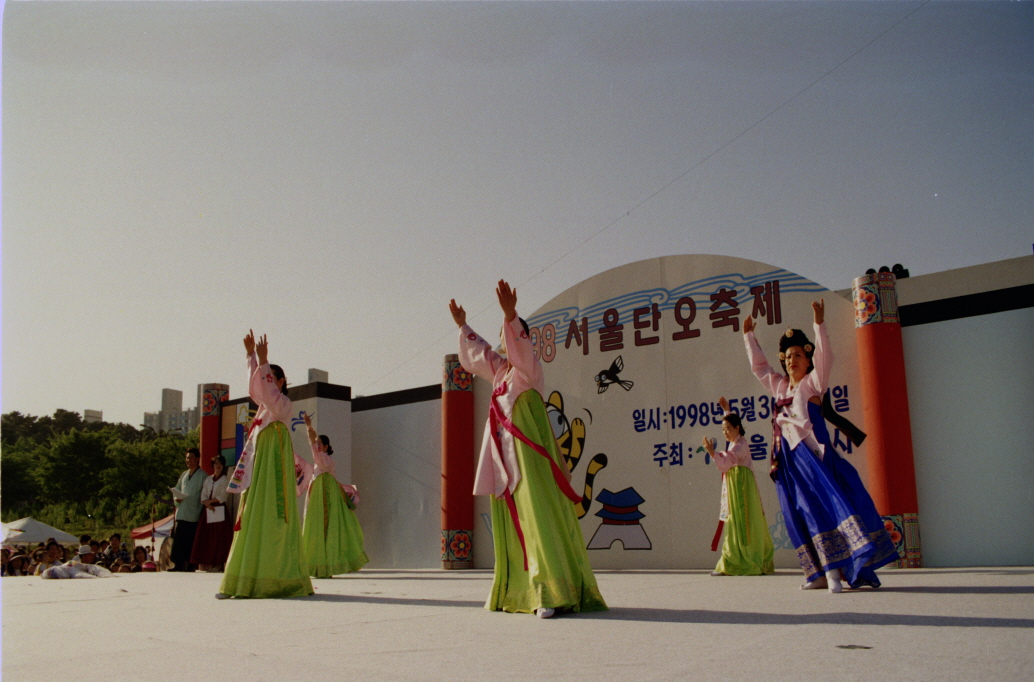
x,y
930,624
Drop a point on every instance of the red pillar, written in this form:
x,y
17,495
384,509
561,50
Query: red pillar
x,y
210,399
881,359
457,465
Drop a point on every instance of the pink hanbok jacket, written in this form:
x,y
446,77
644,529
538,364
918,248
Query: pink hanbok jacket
x,y
738,455
793,419
273,406
324,464
499,471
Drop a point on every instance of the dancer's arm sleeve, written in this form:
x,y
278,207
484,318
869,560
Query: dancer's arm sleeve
x,y
724,460
262,387
768,377
477,356
822,360
521,354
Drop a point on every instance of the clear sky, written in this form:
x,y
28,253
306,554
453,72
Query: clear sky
x,y
332,173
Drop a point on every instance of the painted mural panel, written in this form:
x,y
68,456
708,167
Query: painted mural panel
x,y
636,359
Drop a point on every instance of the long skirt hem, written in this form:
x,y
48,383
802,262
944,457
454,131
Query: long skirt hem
x,y
830,517
747,549
332,537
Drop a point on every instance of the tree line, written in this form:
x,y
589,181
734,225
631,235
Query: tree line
x,y
78,475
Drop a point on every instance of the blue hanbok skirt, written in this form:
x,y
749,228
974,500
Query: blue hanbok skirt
x,y
830,517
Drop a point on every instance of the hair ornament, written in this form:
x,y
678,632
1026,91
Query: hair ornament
x,y
789,332
782,356
808,348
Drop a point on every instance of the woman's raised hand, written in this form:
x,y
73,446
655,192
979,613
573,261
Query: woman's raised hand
x,y
262,348
309,431
507,300
819,307
459,315
709,444
748,325
724,404
249,343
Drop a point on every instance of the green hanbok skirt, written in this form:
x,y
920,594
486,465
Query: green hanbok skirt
x,y
331,535
266,557
559,575
747,549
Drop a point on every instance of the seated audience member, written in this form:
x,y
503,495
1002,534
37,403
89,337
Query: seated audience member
x,y
52,558
84,539
122,559
140,558
82,566
37,558
18,566
117,551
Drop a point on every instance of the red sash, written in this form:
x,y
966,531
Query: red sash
x,y
497,418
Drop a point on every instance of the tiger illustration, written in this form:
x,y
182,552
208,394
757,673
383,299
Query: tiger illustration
x,y
570,440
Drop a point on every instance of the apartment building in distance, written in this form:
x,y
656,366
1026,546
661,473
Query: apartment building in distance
x,y
172,417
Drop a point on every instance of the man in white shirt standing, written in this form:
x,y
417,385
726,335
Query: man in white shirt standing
x,y
188,510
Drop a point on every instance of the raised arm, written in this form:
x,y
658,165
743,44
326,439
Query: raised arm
x,y
822,359
249,349
521,354
476,354
507,300
309,431
262,384
519,350
768,377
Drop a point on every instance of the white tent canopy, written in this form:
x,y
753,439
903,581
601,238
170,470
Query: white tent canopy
x,y
34,531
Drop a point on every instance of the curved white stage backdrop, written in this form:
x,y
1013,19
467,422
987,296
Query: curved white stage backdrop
x,y
636,359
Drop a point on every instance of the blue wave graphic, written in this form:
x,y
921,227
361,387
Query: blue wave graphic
x,y
700,291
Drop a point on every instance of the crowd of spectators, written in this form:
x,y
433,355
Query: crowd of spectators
x,y
200,502
111,555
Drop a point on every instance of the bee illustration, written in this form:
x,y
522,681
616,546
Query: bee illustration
x,y
607,377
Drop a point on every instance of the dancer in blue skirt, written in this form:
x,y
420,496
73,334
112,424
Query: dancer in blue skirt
x,y
830,517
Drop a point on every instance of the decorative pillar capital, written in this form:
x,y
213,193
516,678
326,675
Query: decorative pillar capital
x,y
212,397
454,377
875,299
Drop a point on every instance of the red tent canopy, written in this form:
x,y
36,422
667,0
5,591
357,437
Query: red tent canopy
x,y
161,529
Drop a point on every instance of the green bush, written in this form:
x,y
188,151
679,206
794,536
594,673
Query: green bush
x,y
93,478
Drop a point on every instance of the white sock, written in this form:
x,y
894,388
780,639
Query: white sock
x,y
545,613
833,578
817,584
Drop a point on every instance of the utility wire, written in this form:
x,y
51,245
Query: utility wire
x,y
692,168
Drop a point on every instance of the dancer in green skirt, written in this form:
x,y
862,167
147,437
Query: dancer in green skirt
x,y
266,557
748,545
541,565
331,534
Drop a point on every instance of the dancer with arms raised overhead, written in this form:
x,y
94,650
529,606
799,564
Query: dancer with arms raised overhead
x,y
541,565
266,557
830,517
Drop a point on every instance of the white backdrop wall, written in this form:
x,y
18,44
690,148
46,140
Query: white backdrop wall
x,y
396,463
971,399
